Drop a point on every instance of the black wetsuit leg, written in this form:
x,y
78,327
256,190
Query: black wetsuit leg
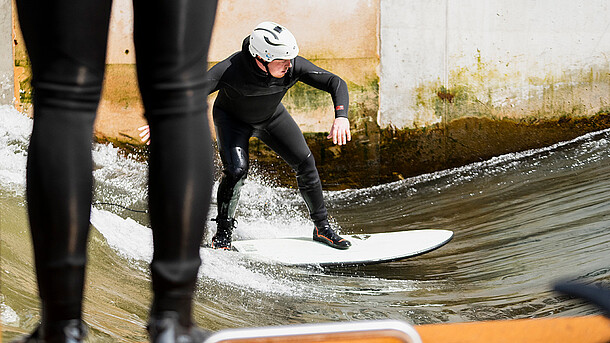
x,y
282,134
171,40
66,41
232,136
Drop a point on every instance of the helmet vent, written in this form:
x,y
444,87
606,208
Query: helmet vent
x,y
271,32
271,43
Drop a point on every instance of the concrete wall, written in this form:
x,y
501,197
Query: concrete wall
x,y
338,29
497,58
120,35
339,35
417,63
6,53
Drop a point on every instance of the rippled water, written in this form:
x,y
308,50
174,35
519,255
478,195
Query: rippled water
x,y
522,222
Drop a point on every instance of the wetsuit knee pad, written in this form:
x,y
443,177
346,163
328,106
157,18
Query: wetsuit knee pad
x,y
307,173
235,164
235,173
160,101
77,90
180,89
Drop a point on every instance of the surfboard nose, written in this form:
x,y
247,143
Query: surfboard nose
x,y
381,331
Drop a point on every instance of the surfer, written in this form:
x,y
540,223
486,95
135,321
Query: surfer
x,y
251,84
66,41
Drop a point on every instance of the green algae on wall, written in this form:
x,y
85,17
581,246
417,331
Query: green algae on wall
x,y
23,80
493,91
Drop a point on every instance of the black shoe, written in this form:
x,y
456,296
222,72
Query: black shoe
x,y
67,331
224,232
327,235
165,328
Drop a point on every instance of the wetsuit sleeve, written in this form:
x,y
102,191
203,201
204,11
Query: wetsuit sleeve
x,y
214,75
319,78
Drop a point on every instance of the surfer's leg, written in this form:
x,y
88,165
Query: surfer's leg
x,y
171,40
232,137
66,41
284,136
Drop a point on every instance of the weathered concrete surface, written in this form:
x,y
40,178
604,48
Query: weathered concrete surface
x,y
338,29
345,44
504,55
6,53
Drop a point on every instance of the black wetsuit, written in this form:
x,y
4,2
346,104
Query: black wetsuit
x,y
66,41
249,104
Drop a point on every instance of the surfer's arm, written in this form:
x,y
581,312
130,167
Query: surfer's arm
x,y
319,78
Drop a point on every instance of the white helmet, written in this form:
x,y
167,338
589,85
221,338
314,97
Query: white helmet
x,y
271,41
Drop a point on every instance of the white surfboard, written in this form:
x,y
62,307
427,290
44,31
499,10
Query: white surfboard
x,y
365,249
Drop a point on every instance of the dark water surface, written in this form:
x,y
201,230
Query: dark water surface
x,y
521,222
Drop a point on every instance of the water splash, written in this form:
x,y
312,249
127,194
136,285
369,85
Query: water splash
x,y
15,131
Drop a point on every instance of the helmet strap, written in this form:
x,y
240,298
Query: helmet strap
x,y
264,63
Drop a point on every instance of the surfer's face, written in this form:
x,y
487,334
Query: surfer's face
x,y
279,68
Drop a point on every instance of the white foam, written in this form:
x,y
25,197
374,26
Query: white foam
x,y
131,239
229,268
122,176
8,316
15,131
134,241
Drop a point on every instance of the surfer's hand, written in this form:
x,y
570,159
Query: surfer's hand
x,y
145,134
339,132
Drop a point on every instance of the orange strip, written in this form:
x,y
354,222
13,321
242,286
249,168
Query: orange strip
x,y
589,329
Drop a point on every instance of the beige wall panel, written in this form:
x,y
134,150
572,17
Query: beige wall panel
x,y
120,36
336,29
443,59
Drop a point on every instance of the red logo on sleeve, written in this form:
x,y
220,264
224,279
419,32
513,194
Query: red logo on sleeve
x,y
339,108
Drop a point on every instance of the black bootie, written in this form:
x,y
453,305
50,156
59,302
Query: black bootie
x,y
166,328
224,232
65,331
326,235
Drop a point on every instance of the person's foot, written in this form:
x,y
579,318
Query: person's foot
x,y
327,235
166,328
66,331
224,232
